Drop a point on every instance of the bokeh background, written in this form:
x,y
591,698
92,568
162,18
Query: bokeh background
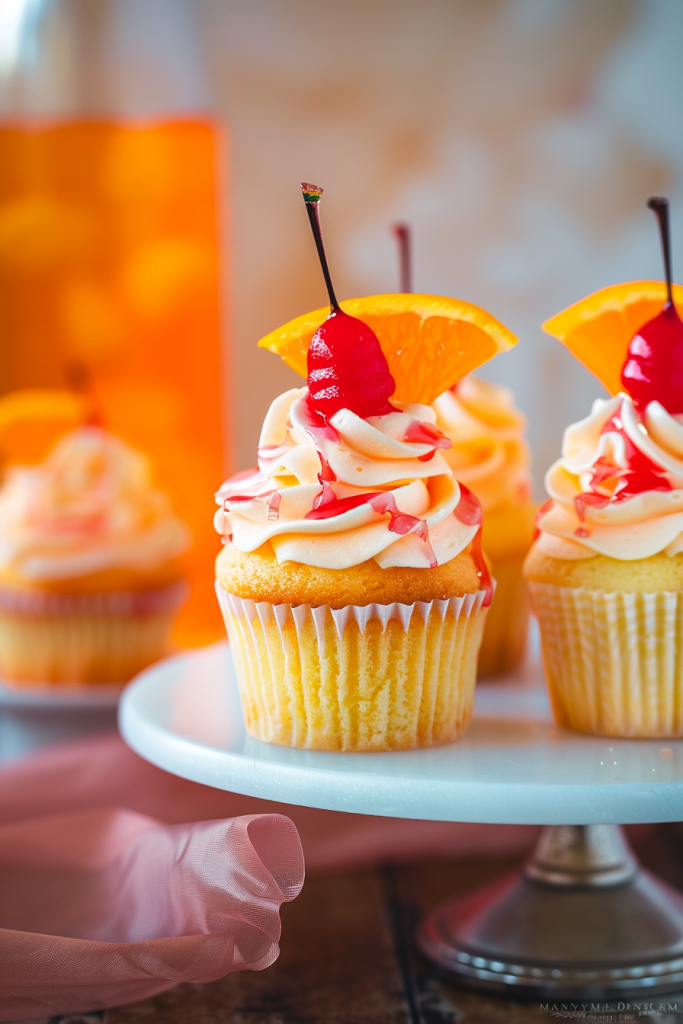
x,y
520,139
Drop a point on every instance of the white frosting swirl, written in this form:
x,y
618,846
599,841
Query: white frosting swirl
x,y
598,454
355,457
88,507
489,453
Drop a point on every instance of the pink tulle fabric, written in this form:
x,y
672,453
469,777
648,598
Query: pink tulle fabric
x,y
106,896
105,906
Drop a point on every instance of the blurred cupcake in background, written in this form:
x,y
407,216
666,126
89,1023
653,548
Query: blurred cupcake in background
x,y
90,564
490,455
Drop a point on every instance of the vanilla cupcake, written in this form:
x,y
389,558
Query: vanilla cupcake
x,y
90,573
606,573
352,582
489,454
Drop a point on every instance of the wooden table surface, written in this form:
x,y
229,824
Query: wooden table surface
x,y
348,956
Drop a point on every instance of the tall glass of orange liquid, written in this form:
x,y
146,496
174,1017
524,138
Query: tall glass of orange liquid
x,y
110,240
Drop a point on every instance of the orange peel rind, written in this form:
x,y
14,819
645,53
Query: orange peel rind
x,y
430,341
597,330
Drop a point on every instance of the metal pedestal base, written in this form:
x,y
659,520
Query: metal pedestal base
x,y
581,920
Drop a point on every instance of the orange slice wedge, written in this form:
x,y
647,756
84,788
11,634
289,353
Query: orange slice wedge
x,y
430,342
33,419
598,329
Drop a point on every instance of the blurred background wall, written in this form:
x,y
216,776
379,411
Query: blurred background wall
x,y
520,138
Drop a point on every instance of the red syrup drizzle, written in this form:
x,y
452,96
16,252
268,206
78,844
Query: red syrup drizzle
x,y
326,473
469,511
252,476
327,506
247,476
348,370
642,475
419,432
545,507
653,370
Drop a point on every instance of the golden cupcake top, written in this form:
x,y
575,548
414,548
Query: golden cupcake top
x,y
89,506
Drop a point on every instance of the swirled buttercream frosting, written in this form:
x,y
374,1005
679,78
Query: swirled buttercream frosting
x,y
488,451
618,488
336,493
90,506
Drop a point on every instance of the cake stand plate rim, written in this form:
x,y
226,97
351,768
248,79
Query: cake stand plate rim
x,y
183,715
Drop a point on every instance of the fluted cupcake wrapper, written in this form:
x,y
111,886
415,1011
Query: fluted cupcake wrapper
x,y
613,661
70,639
507,622
362,677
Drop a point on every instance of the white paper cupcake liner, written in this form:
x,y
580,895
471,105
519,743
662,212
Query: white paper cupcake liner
x,y
25,601
362,677
64,639
507,622
613,662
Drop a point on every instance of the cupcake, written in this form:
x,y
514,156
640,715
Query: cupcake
x,y
352,588
606,571
90,571
490,455
352,581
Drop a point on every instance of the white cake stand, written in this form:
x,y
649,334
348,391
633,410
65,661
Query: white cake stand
x,y
34,715
580,920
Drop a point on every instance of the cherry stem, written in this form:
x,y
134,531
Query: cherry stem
x,y
660,205
79,380
402,235
312,194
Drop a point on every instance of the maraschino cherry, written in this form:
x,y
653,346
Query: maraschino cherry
x,y
346,366
654,364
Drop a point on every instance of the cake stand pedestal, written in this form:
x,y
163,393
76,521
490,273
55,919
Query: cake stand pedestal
x,y
580,920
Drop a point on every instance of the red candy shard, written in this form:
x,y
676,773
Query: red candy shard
x,y
545,507
327,506
642,475
420,432
399,522
348,370
469,511
326,498
653,370
237,487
